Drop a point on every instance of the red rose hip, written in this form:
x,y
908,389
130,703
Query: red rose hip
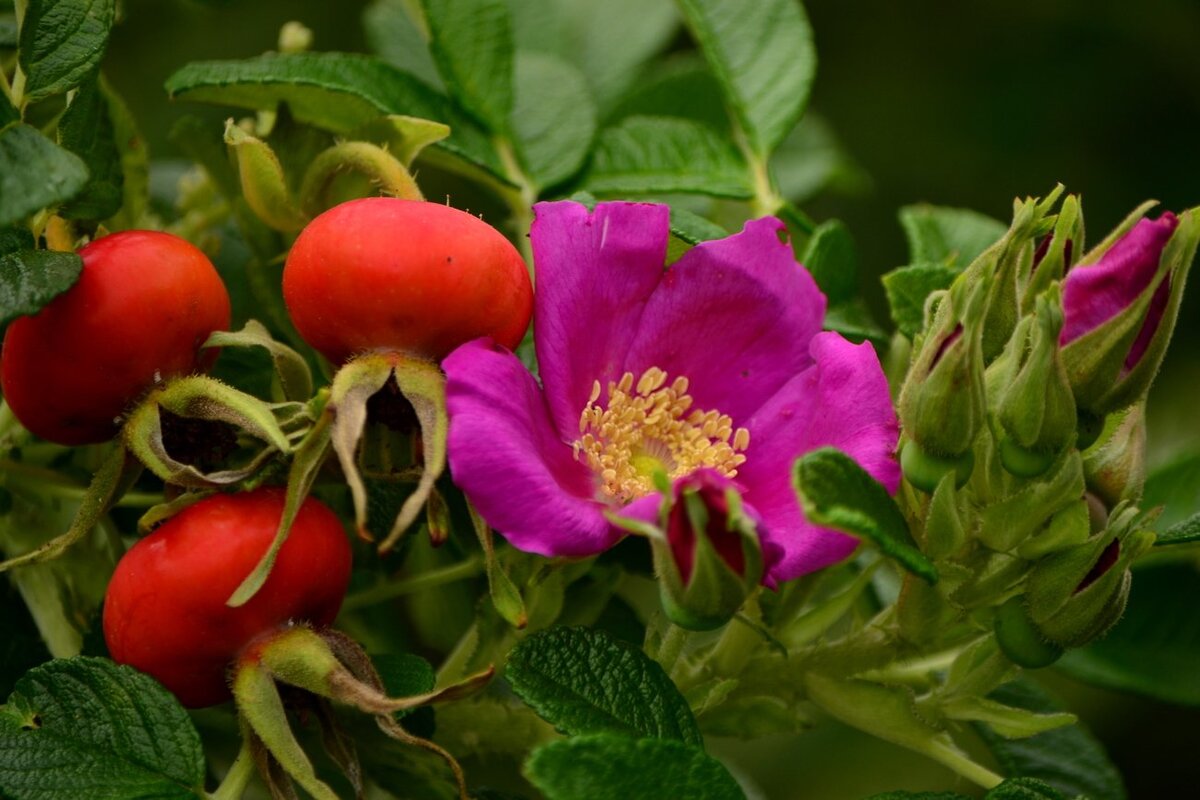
x,y
404,275
142,307
165,612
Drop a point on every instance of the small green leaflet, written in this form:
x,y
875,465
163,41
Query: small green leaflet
x,y
907,290
472,45
1181,532
35,173
657,155
831,259
836,492
681,86
1176,486
950,236
606,766
336,91
61,42
86,129
1155,648
763,55
554,120
86,727
30,279
1069,759
582,680
1011,789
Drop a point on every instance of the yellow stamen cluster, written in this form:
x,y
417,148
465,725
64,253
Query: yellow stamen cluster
x,y
652,428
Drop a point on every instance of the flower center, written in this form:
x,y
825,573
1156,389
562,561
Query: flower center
x,y
651,429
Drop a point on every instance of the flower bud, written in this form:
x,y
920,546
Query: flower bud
x,y
1115,469
709,557
1055,253
1036,410
1020,640
1075,595
1120,304
942,402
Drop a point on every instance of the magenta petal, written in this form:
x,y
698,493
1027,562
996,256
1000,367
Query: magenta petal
x,y
733,316
841,401
506,456
1095,293
594,273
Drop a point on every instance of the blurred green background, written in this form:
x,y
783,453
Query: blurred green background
x,y
963,104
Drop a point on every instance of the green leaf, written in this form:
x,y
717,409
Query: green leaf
x,y
919,796
657,155
61,42
1023,789
554,120
679,87
608,42
472,45
836,492
1069,759
14,239
335,91
693,228
1176,486
763,55
8,30
852,319
812,159
1181,532
86,727
609,767
394,36
30,279
831,259
950,236
1155,647
8,113
134,160
35,173
86,129
907,289
584,681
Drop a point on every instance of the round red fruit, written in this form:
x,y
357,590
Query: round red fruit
x,y
142,307
404,275
165,612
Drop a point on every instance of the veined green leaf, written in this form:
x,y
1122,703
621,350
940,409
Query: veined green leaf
x,y
86,129
554,119
335,91
30,279
611,767
582,680
394,36
62,41
472,44
907,289
86,727
763,55
35,173
836,492
950,236
659,155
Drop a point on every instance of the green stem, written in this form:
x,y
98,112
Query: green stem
x,y
520,202
234,784
426,580
671,647
737,643
964,766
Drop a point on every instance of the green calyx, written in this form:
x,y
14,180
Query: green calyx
x,y
714,591
925,470
1019,638
942,403
1115,468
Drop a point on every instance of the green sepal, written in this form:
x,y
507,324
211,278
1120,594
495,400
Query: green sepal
x,y
385,172
1019,638
714,591
115,477
945,531
1068,232
1006,523
1008,721
423,386
1115,467
263,183
198,397
1068,602
1068,527
1095,362
506,597
291,370
402,136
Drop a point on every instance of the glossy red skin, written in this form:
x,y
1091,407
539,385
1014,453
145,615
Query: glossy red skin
x,y
165,611
421,278
142,307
